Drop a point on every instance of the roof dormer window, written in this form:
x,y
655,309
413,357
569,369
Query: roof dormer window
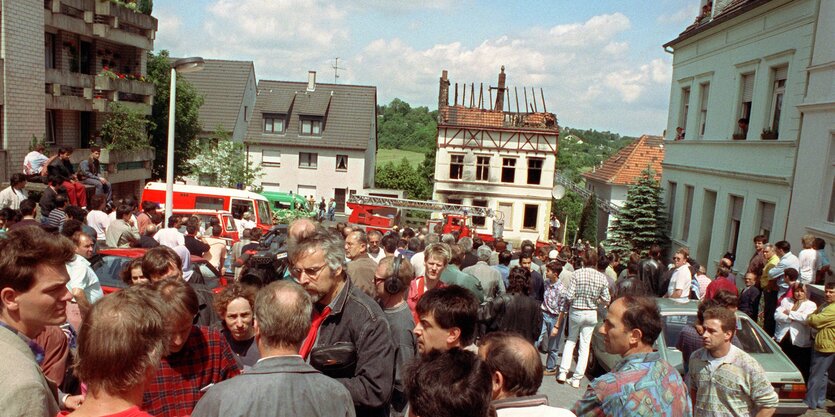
x,y
310,126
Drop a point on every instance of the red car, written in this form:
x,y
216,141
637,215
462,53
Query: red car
x,y
108,263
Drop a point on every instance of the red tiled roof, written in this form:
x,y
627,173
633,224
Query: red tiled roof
x,y
626,165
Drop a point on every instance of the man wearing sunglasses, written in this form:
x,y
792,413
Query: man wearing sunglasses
x,y
349,338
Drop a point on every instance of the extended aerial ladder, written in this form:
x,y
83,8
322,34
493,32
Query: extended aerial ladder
x,y
604,205
455,215
431,206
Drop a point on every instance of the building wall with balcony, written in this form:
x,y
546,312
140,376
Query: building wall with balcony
x,y
813,197
23,91
725,187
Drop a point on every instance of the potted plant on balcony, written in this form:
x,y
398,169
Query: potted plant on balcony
x,y
768,134
738,136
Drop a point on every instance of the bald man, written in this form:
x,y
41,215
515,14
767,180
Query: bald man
x,y
516,370
301,228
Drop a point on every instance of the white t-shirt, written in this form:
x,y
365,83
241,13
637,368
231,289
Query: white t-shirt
x,y
170,237
535,411
99,221
680,281
807,259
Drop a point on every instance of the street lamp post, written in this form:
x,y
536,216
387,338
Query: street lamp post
x,y
182,66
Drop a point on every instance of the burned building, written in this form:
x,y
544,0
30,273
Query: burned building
x,y
497,148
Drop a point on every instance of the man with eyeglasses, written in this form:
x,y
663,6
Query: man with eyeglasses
x,y
349,332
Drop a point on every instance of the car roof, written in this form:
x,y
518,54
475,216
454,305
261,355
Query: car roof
x,y
669,306
139,252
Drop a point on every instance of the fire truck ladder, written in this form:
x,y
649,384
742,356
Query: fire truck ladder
x,y
604,205
432,206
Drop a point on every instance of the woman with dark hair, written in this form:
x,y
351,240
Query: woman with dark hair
x,y
518,312
235,306
131,274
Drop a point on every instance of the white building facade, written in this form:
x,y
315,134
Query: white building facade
x,y
724,184
314,139
501,160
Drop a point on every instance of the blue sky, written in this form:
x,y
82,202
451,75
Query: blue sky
x,y
599,62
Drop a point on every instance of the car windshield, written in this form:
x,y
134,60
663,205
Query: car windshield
x,y
264,212
749,337
107,268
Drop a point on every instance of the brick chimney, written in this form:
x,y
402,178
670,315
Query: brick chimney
x,y
443,92
311,81
500,92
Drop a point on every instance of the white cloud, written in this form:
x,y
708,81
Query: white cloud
x,y
685,14
589,76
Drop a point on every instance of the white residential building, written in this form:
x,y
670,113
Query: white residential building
x,y
314,139
744,59
493,158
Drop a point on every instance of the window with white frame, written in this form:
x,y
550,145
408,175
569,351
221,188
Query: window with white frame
x,y
671,199
274,123
271,158
308,160
777,93
456,167
704,93
507,215
311,126
530,216
685,108
746,96
479,220
341,162
482,168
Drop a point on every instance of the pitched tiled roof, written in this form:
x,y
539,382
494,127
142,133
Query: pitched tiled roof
x,y
222,84
348,113
626,165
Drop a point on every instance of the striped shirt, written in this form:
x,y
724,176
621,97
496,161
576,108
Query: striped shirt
x,y
737,387
587,289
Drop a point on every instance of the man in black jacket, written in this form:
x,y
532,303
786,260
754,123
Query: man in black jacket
x,y
651,271
61,167
349,339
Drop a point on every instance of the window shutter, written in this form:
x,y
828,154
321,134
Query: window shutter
x,y
781,73
747,88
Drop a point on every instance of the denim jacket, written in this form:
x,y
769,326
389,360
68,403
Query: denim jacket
x,y
357,319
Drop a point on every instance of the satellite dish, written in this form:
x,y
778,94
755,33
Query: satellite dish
x,y
558,192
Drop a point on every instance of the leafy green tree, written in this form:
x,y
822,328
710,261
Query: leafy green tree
x,y
187,125
124,129
403,177
569,207
223,163
588,221
642,220
399,126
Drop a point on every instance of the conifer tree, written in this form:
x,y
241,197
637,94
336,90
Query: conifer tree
x,y
588,221
642,220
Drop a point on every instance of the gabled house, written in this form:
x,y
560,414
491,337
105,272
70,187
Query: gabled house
x,y
314,139
611,180
229,91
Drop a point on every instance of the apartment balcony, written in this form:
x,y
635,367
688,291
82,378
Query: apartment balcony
x,y
121,166
769,161
122,25
123,85
102,105
74,16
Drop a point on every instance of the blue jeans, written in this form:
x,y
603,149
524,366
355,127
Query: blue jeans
x,y
818,379
548,322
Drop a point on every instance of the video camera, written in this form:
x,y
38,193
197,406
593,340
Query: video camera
x,y
269,262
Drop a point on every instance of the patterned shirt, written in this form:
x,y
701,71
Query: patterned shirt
x,y
205,359
639,385
587,288
555,301
737,387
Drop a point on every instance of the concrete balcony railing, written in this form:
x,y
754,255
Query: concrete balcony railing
x,y
121,166
121,25
69,79
770,160
141,88
102,105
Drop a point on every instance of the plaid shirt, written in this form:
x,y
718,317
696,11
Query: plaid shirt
x,y
587,288
204,360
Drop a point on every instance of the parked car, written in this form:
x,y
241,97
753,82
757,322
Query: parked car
x,y
108,263
780,371
229,233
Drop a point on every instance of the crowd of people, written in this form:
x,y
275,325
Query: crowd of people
x,y
371,324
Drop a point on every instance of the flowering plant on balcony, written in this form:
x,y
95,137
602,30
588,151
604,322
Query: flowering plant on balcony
x,y
114,75
139,6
